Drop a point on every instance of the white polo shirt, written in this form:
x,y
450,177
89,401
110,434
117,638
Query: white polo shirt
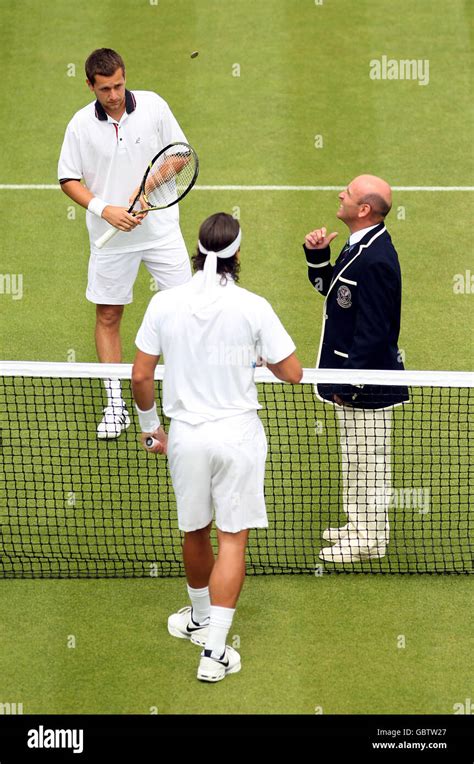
x,y
210,357
112,157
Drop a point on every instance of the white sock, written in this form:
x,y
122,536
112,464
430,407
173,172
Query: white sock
x,y
113,388
201,604
219,625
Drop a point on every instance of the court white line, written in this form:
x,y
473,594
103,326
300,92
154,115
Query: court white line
x,y
56,187
28,187
327,188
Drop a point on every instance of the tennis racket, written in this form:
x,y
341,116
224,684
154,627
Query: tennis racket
x,y
167,179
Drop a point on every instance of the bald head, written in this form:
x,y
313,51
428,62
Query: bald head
x,y
366,201
368,189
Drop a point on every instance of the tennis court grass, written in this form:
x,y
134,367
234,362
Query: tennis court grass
x,y
307,642
54,322
309,645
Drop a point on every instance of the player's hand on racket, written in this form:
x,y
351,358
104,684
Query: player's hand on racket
x,y
170,175
120,218
319,239
155,442
134,200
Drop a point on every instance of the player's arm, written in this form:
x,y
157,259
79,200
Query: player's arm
x,y
143,387
166,172
288,370
318,254
116,216
276,348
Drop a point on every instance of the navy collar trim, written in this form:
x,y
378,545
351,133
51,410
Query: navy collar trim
x,y
130,105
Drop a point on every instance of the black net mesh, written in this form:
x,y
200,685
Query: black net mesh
x,y
76,506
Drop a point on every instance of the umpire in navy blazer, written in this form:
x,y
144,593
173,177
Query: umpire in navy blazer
x,y
363,291
361,324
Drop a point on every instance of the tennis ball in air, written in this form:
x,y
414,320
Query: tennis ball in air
x,y
194,54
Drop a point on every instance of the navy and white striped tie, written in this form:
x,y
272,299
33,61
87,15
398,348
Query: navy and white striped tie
x,y
346,251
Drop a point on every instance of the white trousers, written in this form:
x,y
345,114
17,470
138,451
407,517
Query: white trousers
x,y
366,467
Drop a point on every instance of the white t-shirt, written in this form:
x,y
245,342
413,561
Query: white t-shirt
x,y
210,357
112,157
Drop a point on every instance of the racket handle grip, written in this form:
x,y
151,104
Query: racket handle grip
x,y
102,240
150,442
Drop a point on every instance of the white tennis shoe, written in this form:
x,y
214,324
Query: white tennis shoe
x,y
215,669
351,551
181,625
116,419
333,535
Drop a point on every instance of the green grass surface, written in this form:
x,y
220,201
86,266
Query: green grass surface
x,y
54,317
305,642
304,71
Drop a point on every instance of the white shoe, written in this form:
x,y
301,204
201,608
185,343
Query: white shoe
x,y
214,669
351,552
116,419
181,625
335,534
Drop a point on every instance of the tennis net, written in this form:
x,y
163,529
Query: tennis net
x,y
76,506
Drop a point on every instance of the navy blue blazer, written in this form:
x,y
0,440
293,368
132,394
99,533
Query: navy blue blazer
x,y
361,315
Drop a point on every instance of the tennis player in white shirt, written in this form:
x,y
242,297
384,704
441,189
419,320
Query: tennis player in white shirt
x,y
212,334
108,145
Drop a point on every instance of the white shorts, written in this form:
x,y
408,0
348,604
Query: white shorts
x,y
111,277
219,465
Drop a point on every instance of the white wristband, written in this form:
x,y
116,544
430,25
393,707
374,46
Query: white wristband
x,y
96,206
149,421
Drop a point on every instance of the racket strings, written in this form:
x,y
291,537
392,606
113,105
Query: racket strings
x,y
170,176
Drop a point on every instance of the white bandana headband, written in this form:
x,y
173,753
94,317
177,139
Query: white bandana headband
x,y
208,292
228,251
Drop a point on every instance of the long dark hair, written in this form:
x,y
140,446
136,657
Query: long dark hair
x,y
216,233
